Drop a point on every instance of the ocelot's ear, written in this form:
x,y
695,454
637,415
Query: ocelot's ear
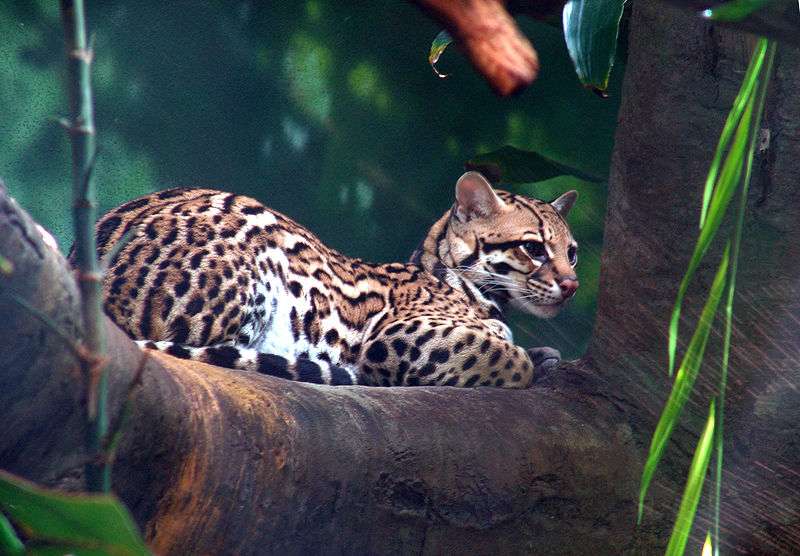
x,y
475,197
565,202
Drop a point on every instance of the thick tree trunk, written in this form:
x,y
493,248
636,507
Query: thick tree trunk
x,y
216,461
681,78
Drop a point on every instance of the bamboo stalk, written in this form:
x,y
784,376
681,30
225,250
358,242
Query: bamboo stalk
x,y
82,136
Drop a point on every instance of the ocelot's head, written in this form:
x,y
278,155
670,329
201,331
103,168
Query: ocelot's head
x,y
517,250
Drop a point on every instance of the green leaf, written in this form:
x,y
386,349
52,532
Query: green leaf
x,y
735,10
707,546
684,379
81,523
590,29
9,541
6,266
751,77
729,178
438,46
509,165
693,489
760,97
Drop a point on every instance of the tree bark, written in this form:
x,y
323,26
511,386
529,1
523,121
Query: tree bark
x,y
216,461
681,77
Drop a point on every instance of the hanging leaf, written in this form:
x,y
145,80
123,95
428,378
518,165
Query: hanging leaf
x,y
751,78
693,489
684,380
707,546
732,170
62,523
9,541
735,10
509,165
438,46
590,29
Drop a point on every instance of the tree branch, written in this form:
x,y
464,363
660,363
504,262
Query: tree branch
x,y
216,461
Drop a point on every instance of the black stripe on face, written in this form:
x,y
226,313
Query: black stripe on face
x,y
502,246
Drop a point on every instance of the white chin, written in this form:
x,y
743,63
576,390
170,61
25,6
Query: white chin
x,y
541,311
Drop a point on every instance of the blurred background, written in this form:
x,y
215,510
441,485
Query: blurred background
x,y
327,111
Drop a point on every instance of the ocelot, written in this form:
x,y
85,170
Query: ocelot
x,y
220,278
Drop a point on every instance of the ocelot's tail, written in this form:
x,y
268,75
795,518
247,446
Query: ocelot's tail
x,y
246,359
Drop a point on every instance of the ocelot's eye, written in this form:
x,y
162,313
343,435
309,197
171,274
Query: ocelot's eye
x,y
536,250
572,255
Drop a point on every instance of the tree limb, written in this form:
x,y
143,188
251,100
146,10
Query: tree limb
x,y
218,461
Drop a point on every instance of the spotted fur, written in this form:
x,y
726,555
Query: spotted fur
x,y
220,278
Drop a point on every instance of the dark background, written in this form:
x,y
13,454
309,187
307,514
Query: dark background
x,y
326,111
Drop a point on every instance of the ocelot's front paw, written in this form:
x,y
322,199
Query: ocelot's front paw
x,y
544,360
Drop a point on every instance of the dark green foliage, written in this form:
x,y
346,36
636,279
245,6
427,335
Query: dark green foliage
x,y
53,522
512,166
296,104
590,29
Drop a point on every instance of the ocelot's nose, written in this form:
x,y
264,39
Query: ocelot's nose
x,y
568,287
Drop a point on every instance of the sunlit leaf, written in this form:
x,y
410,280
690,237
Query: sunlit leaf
x,y
509,165
734,117
77,523
735,10
693,489
684,379
590,29
730,175
438,46
707,547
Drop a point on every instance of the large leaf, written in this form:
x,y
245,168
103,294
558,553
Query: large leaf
x,y
693,489
69,523
684,379
438,46
590,29
509,165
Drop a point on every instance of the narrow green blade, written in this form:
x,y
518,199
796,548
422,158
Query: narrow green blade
x,y
509,165
590,30
760,97
707,546
751,77
723,192
10,544
438,46
693,489
81,521
735,10
684,379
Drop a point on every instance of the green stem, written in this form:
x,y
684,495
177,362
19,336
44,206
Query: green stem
x,y
82,136
737,239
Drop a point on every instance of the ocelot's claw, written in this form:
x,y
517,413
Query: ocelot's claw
x,y
544,359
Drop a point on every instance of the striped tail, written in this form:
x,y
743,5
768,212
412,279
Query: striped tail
x,y
247,359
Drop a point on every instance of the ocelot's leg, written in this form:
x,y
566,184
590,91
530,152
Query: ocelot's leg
x,y
413,354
